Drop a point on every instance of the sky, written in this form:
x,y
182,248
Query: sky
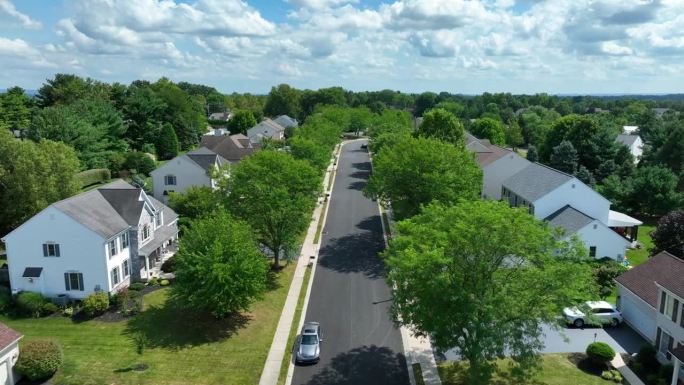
x,y
458,46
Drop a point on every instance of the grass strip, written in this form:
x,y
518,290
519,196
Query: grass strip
x,y
295,325
321,220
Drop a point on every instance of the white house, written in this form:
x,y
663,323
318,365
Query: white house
x,y
9,353
634,143
286,121
221,116
267,128
568,203
629,130
99,240
651,299
191,169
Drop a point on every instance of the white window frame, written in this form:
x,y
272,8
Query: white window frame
x,y
112,247
170,180
51,249
77,287
124,240
116,278
125,269
146,231
669,306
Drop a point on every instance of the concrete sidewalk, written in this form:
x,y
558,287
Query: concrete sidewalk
x,y
271,371
627,373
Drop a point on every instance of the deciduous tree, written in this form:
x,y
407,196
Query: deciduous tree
x,y
669,235
242,121
443,125
488,128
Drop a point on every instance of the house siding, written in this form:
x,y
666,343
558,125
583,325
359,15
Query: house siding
x,y
637,313
187,174
498,171
608,243
581,197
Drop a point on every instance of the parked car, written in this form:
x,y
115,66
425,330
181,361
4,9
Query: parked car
x,y
601,312
364,145
308,347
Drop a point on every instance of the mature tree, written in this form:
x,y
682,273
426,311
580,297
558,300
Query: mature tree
x,y
425,102
316,155
451,106
275,194
388,139
167,143
32,176
16,109
67,88
564,157
532,154
144,112
669,235
219,268
492,273
605,273
653,190
283,100
585,176
536,123
442,125
416,171
671,153
617,191
578,130
196,202
487,128
184,113
242,121
513,135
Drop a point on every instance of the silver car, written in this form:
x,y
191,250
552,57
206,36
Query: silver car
x,y
308,346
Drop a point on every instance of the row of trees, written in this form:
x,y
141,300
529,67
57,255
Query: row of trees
x,y
495,273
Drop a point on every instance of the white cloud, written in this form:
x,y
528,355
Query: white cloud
x,y
613,48
320,4
10,10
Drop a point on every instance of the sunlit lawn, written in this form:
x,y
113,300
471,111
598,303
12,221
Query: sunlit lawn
x,y
638,256
183,348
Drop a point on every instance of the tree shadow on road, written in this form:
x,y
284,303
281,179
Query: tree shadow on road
x,y
356,253
359,185
364,365
363,166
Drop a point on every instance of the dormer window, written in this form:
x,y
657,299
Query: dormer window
x,y
146,232
158,219
170,180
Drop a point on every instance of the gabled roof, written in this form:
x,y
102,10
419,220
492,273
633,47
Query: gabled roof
x,y
535,181
231,148
569,219
662,269
626,139
205,158
286,121
8,336
270,123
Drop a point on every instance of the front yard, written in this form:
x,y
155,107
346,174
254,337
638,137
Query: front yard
x,y
557,369
182,347
638,256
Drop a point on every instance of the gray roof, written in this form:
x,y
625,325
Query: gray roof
x,y
232,148
205,158
535,181
286,121
110,209
627,140
570,219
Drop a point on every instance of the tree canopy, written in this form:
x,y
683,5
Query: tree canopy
x,y
488,128
669,234
443,125
242,121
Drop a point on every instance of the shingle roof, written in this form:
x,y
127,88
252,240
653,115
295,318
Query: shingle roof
x,y
663,269
535,181
205,158
286,121
8,336
570,219
679,353
232,148
626,139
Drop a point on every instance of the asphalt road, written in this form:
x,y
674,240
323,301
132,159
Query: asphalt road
x,y
350,297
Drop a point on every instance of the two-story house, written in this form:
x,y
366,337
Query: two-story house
x,y
634,143
286,121
192,169
232,148
99,240
267,128
651,299
567,203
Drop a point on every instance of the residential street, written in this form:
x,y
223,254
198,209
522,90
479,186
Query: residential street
x,y
349,296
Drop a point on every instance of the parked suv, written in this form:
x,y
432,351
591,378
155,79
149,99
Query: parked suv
x,y
308,346
601,312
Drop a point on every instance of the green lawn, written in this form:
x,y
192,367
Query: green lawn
x,y
557,369
183,348
321,222
637,257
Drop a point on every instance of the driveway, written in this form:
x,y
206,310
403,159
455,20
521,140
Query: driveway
x,y
349,296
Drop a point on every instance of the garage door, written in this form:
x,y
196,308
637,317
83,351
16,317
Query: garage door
x,y
4,376
638,315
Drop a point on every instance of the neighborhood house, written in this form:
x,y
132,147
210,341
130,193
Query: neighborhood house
x,y
9,353
192,169
266,129
99,240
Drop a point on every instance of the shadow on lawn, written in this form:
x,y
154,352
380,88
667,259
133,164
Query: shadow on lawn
x,y
583,363
172,326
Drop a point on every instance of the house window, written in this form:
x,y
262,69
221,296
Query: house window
x,y
170,180
681,319
669,306
157,219
666,343
112,248
50,250
115,276
124,240
73,281
125,269
146,232
592,251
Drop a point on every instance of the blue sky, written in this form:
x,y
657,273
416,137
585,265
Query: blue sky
x,y
461,46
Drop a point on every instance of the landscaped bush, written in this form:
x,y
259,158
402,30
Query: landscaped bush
x,y
68,311
154,281
600,352
647,358
39,359
666,371
50,308
96,175
5,299
607,375
164,282
169,266
96,303
31,303
140,162
136,286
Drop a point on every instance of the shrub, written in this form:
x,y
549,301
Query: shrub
x,y
93,176
169,266
600,352
665,372
140,162
68,311
617,377
607,375
5,299
31,303
50,308
96,303
647,357
154,281
136,286
164,282
39,359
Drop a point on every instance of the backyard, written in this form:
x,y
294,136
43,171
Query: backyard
x,y
638,256
557,369
182,347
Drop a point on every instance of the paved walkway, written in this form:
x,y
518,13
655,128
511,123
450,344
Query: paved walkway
x,y
271,371
627,373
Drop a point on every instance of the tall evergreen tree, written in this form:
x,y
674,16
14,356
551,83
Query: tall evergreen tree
x,y
564,157
532,154
167,146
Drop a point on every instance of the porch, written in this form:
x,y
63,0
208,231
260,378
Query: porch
x,y
624,225
154,254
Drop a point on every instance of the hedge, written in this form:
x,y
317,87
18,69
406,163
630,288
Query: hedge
x,y
600,352
39,359
91,177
